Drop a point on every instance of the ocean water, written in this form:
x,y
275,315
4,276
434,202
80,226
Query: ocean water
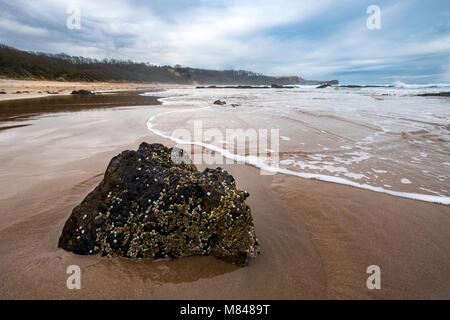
x,y
385,139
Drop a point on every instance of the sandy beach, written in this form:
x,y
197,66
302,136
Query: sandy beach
x,y
317,238
22,89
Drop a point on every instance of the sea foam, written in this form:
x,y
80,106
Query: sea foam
x,y
262,162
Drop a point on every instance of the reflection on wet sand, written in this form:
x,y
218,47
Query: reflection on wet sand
x,y
187,269
24,109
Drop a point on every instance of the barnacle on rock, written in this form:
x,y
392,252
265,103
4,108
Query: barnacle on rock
x,y
148,206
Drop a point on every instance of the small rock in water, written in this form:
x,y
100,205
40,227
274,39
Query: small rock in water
x,y
82,92
172,210
219,102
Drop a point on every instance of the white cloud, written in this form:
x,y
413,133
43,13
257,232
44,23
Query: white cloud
x,y
217,34
9,24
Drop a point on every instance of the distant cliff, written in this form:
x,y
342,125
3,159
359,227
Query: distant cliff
x,y
19,64
317,82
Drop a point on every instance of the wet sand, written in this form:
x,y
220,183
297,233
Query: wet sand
x,y
317,238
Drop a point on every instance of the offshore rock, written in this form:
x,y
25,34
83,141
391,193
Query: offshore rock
x,y
82,92
153,203
435,94
219,102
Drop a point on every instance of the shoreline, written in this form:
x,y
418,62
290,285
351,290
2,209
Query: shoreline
x,y
317,238
30,89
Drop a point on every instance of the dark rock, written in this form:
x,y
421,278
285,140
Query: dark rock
x,y
220,103
153,203
234,87
276,86
352,86
82,92
247,87
435,94
2,92
327,84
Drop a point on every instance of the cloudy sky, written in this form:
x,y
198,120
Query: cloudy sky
x,y
315,39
